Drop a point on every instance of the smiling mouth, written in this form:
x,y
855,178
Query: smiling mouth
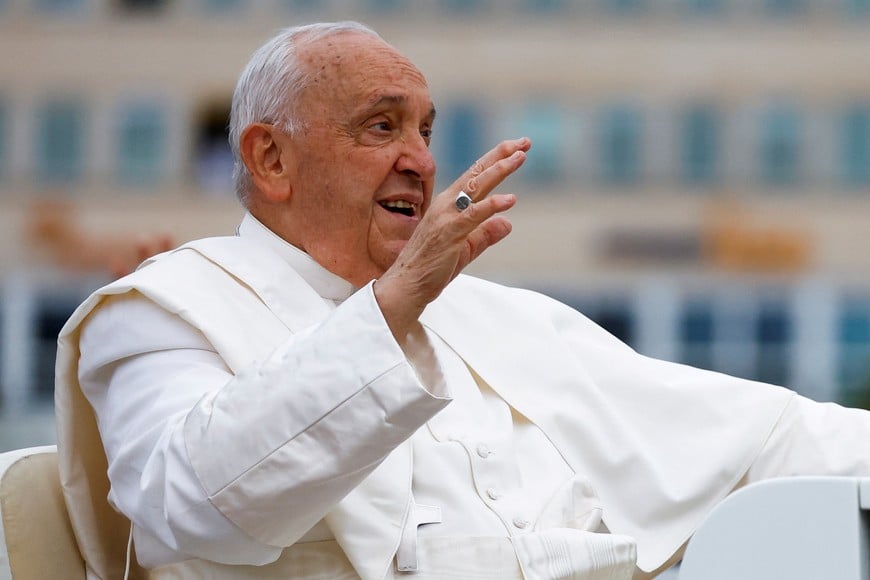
x,y
400,206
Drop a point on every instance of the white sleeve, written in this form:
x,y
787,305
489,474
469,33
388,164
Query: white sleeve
x,y
290,436
814,438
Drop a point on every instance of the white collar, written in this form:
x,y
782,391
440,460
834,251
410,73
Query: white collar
x,y
325,283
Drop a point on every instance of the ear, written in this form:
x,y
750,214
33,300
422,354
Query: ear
x,y
264,152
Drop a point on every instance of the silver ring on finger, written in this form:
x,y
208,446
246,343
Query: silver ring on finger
x,y
463,200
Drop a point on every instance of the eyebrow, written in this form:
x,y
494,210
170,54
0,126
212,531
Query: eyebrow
x,y
397,100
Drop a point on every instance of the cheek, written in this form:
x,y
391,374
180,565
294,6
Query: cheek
x,y
378,161
341,192
340,214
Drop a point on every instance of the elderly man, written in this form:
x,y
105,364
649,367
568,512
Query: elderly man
x,y
324,396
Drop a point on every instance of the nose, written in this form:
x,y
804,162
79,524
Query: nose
x,y
416,159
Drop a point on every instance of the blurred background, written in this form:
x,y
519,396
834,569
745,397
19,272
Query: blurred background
x,y
699,182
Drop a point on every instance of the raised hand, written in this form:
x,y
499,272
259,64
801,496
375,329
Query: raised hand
x,y
447,239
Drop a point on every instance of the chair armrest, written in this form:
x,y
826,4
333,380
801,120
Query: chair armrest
x,y
36,537
799,528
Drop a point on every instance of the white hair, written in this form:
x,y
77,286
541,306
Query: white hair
x,y
270,87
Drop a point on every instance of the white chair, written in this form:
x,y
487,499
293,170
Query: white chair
x,y
802,528
36,538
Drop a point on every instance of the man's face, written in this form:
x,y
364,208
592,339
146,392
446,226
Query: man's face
x,y
363,171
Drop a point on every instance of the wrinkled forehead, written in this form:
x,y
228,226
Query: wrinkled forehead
x,y
353,64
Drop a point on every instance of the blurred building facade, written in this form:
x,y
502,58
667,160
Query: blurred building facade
x,y
699,182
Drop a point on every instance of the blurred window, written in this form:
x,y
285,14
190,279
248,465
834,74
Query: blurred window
x,y
302,5
624,6
696,334
384,6
780,146
620,145
60,142
855,323
543,6
463,6
60,6
856,146
857,7
4,138
141,144
459,131
700,145
611,311
544,124
783,7
140,6
854,349
705,6
213,158
616,317
774,336
52,312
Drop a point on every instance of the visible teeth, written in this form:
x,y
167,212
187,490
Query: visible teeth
x,y
398,204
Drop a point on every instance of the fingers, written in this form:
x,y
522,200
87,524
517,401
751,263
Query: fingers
x,y
483,176
489,233
455,225
478,227
491,169
479,212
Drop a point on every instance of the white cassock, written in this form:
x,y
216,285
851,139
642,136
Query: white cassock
x,y
260,421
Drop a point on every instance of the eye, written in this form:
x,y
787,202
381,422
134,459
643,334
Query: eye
x,y
383,126
426,133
